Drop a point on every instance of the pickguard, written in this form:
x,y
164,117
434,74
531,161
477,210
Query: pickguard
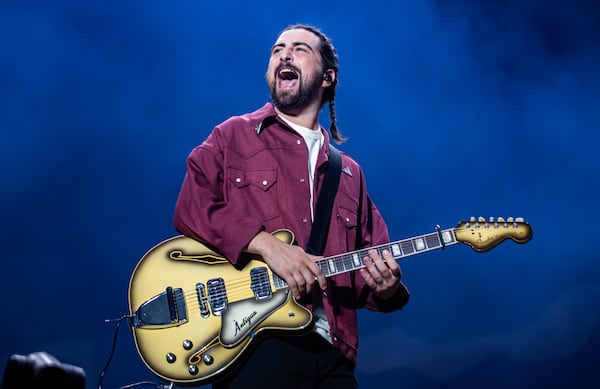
x,y
243,316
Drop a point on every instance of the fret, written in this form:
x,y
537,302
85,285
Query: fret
x,y
419,244
348,262
448,237
432,241
396,250
278,282
331,265
407,247
339,264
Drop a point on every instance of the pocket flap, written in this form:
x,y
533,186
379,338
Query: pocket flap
x,y
262,179
348,217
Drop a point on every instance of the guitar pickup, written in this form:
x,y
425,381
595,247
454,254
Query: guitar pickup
x,y
217,295
202,300
163,310
260,284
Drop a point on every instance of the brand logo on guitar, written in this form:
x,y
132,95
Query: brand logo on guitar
x,y
247,321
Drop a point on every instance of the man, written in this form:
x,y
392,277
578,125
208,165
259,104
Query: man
x,y
263,171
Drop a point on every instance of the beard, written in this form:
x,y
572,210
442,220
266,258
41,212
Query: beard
x,y
302,97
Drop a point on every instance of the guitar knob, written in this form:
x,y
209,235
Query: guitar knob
x,y
171,358
193,369
187,344
208,359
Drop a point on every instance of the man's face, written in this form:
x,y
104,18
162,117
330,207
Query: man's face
x,y
295,72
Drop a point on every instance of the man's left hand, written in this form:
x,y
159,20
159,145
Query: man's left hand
x,y
382,274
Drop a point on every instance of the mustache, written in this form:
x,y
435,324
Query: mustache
x,y
287,65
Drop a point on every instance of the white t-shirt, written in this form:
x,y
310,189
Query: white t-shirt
x,y
314,142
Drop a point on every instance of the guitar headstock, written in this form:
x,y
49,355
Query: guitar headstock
x,y
483,235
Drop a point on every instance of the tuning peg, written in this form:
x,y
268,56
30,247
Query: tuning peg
x,y
519,220
480,221
471,221
492,220
510,219
502,221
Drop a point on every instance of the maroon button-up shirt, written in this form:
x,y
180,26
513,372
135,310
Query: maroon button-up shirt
x,y
251,175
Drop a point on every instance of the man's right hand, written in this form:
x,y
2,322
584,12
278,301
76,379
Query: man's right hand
x,y
290,262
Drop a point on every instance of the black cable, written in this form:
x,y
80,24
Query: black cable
x,y
155,384
112,351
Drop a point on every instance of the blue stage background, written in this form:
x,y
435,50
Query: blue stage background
x,y
454,109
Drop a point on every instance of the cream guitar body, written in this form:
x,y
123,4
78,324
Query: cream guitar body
x,y
185,336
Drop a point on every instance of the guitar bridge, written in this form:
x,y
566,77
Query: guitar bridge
x,y
164,310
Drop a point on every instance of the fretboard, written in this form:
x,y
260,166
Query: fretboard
x,y
354,260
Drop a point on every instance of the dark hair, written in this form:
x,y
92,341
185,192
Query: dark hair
x,y
330,61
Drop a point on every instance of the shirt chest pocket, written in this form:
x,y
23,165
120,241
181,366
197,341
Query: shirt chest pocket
x,y
254,191
348,218
262,179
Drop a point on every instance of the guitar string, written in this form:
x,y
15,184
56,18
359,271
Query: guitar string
x,y
340,263
237,288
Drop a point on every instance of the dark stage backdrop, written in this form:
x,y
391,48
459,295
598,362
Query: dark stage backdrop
x,y
453,108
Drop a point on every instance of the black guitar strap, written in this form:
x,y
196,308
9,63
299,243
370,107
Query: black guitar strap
x,y
318,233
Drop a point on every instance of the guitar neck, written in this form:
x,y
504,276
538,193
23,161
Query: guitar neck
x,y
354,260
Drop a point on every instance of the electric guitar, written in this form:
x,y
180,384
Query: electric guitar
x,y
193,315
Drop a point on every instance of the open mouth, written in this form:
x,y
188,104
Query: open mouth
x,y
287,74
287,78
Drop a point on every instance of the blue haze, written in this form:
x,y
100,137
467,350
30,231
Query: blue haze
x,y
453,108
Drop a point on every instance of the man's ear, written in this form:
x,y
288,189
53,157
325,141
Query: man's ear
x,y
328,77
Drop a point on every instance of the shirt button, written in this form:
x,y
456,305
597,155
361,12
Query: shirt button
x,y
335,339
302,180
347,220
298,142
264,182
238,180
305,220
